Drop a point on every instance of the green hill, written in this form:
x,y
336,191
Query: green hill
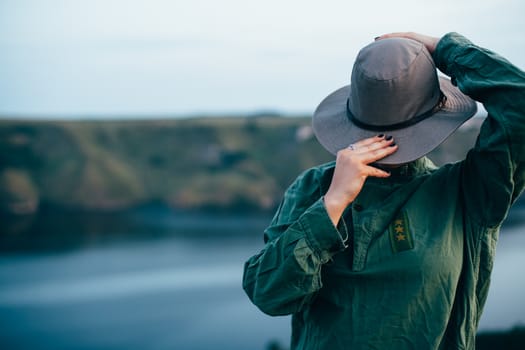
x,y
202,163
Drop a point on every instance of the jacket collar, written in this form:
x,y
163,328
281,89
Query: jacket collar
x,y
410,170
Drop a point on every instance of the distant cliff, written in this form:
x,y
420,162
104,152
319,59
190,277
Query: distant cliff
x,y
203,164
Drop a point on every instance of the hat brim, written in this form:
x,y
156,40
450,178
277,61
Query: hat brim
x,y
335,131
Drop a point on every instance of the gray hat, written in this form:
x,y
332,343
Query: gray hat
x,y
394,90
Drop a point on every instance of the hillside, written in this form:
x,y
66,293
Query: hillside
x,y
203,164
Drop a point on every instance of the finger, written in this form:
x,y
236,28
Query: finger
x,y
375,172
378,154
407,35
368,141
382,143
392,35
430,42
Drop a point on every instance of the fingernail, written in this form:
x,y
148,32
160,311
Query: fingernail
x,y
393,144
377,38
381,135
388,138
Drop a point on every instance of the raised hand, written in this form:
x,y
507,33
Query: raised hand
x,y
430,42
352,167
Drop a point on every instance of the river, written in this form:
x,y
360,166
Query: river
x,y
154,279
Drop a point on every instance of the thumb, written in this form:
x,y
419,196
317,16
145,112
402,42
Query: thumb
x,y
375,172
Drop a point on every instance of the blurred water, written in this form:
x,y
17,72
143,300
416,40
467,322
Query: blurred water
x,y
163,281
159,280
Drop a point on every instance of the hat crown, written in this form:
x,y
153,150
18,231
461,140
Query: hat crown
x,y
393,80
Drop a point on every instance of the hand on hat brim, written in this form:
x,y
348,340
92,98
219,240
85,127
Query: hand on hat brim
x,y
352,168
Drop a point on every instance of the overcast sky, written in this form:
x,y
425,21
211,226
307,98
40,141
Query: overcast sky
x,y
123,57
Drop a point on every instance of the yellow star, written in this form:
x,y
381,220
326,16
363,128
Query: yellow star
x,y
398,222
399,229
400,237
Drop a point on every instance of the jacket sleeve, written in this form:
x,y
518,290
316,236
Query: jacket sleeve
x,y
493,173
286,274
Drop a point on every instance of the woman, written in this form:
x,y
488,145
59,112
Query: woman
x,y
381,249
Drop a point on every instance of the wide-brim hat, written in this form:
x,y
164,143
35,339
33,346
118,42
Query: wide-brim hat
x,y
394,90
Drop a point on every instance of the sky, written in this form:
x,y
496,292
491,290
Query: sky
x,y
126,58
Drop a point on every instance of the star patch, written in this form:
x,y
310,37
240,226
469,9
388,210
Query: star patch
x,y
400,235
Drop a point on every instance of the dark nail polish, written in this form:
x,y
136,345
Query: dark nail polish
x,y
377,37
388,138
393,144
381,135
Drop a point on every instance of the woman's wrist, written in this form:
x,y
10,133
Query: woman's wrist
x,y
335,207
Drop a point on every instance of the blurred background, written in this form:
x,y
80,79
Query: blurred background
x,y
144,146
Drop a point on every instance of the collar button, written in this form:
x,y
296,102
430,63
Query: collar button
x,y
357,207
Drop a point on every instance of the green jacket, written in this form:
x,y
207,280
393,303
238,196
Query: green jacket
x,y
409,265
